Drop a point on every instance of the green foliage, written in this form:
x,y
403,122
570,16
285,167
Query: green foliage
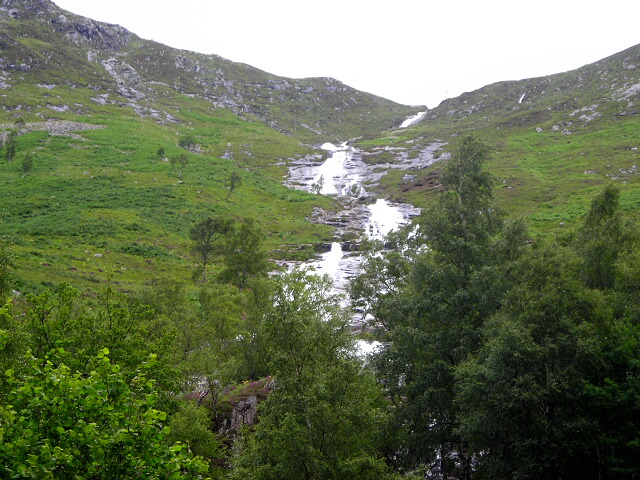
x,y
27,165
323,419
6,268
220,322
10,145
234,182
466,217
514,355
519,396
63,318
553,389
191,426
188,141
58,425
142,250
316,187
466,175
216,341
305,326
602,238
206,235
244,254
179,162
12,347
429,299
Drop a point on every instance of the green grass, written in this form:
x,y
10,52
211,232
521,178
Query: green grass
x,y
545,176
102,205
550,178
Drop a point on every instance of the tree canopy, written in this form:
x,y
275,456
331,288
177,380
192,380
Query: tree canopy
x,y
502,353
57,424
323,420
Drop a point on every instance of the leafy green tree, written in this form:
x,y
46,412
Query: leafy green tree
x,y
322,421
316,187
188,142
178,163
58,425
164,296
161,153
460,228
553,391
169,303
27,165
244,256
610,401
207,236
13,344
6,269
611,396
208,345
627,286
602,238
64,318
234,182
520,395
253,348
10,145
431,296
191,426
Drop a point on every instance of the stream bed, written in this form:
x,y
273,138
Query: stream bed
x,y
344,174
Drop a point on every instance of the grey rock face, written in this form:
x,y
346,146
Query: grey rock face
x,y
244,413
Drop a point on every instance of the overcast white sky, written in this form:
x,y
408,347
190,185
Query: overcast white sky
x,y
415,52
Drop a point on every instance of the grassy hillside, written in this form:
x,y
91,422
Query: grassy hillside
x,y
102,202
43,44
87,198
555,140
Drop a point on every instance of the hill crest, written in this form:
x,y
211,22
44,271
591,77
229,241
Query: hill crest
x,y
43,40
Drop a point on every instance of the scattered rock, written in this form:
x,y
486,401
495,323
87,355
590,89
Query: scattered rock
x,y
59,108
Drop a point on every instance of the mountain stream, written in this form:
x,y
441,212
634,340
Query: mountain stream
x,y
345,175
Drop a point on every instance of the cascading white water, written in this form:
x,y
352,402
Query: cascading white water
x,y
338,175
384,218
412,119
332,169
342,174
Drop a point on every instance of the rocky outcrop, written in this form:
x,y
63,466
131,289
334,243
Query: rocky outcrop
x,y
244,413
54,127
234,406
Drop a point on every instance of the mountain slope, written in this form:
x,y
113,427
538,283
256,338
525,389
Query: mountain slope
x,y
121,145
44,44
555,139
